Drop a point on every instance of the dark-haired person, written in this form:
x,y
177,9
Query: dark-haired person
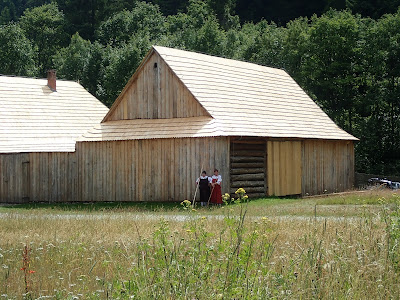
x,y
204,186
216,194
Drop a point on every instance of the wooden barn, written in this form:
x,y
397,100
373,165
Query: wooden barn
x,y
182,112
179,114
40,121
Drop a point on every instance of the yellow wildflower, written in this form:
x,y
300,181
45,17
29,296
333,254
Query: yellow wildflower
x,y
240,191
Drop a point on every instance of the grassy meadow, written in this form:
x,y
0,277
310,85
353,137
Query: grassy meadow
x,y
332,247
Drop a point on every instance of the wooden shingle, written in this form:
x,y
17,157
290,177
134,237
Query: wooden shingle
x,y
35,119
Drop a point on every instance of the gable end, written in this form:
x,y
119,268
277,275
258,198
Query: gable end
x,y
155,92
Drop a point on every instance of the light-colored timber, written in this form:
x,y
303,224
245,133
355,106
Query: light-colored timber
x,y
327,166
33,118
284,167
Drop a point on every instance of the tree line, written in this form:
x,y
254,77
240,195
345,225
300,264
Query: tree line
x,y
348,63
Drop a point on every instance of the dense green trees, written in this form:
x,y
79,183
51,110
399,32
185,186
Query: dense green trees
x,y
17,56
45,27
348,63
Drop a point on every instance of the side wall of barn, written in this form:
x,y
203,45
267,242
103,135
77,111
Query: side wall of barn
x,y
148,170
165,170
327,166
34,177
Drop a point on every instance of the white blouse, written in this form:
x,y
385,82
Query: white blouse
x,y
219,179
203,177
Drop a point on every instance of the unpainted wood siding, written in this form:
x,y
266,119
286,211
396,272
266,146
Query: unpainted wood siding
x,y
284,168
149,170
34,177
328,166
156,92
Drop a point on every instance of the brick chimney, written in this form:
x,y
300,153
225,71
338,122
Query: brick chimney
x,y
51,79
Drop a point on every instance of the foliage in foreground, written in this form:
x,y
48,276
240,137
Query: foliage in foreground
x,y
231,256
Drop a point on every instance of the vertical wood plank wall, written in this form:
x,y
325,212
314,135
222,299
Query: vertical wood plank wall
x,y
165,169
149,170
328,166
157,93
33,177
284,167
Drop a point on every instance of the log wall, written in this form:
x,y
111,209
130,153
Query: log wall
x,y
328,166
155,92
149,170
248,166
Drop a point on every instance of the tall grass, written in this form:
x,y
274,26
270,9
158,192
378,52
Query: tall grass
x,y
234,257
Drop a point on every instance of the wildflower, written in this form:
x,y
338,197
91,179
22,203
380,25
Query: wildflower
x,y
226,197
186,204
240,191
203,217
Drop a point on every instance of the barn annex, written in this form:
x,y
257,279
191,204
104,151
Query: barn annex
x,y
182,112
40,121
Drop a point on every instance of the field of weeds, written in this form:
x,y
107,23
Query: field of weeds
x,y
332,247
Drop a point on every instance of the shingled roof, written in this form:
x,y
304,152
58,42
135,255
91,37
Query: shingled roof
x,y
33,118
242,99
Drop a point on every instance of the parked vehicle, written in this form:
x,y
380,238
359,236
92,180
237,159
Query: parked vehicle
x,y
384,182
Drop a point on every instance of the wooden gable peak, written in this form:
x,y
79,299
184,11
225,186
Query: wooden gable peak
x,y
155,92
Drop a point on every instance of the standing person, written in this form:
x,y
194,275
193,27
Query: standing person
x,y
216,195
204,186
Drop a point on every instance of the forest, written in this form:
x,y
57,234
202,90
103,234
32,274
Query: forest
x,y
344,53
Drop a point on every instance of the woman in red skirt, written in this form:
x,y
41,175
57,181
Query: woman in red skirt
x,y
216,195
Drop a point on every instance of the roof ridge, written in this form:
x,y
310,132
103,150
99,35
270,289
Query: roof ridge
x,y
38,78
220,57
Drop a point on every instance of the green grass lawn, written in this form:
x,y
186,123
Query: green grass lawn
x,y
331,247
347,204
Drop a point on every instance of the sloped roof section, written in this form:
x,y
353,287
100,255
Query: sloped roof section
x,y
153,128
35,119
251,100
